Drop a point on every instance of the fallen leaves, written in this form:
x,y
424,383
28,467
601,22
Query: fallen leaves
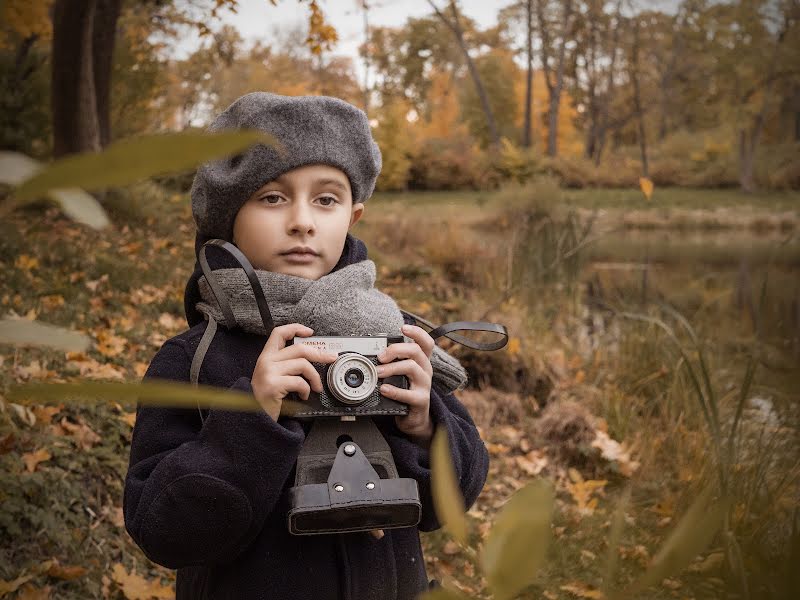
x,y
583,491
34,370
52,568
581,590
81,432
532,463
32,459
92,369
110,345
613,451
136,587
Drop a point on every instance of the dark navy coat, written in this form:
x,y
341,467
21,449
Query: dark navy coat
x,y
210,498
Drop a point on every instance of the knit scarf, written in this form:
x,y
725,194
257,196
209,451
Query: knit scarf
x,y
343,302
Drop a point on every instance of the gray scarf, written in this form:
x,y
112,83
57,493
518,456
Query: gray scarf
x,y
344,302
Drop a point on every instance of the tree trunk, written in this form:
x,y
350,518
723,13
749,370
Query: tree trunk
x,y
103,38
455,27
637,97
74,104
526,132
748,141
746,163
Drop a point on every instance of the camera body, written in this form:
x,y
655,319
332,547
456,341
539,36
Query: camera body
x,y
351,386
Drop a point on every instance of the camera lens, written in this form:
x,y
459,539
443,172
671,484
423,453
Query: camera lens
x,y
354,377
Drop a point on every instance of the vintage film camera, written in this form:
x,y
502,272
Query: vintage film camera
x,y
345,479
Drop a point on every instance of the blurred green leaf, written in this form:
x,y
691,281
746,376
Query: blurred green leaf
x,y
517,544
447,499
22,332
16,167
152,392
690,537
133,159
77,204
80,206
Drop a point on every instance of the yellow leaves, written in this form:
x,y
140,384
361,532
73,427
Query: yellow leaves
x,y
148,294
581,590
110,345
532,463
170,322
51,568
136,587
31,592
26,262
26,19
646,186
321,35
513,346
129,418
583,491
81,432
613,451
65,572
496,449
52,301
8,587
31,459
34,370
92,369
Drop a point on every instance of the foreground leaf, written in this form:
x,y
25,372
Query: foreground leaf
x,y
133,159
15,168
22,332
151,392
517,544
690,537
447,499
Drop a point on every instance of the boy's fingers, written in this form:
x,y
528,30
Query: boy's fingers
x,y
409,368
281,335
301,366
305,351
406,350
292,383
421,337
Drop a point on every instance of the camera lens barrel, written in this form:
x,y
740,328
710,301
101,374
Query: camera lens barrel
x,y
352,378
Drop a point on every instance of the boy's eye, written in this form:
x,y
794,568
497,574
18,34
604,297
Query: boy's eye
x,y
272,198
327,200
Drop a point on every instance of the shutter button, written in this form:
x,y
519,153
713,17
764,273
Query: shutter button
x,y
349,449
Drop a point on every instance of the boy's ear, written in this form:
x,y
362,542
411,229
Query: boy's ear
x,y
357,213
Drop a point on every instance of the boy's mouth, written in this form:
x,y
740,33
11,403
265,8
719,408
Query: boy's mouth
x,y
300,254
301,250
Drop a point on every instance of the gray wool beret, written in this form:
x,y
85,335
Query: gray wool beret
x,y
310,129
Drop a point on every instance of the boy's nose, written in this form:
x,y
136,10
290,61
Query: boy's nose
x,y
302,220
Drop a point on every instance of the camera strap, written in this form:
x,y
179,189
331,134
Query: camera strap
x,y
447,330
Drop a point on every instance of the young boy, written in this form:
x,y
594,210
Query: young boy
x,y
206,491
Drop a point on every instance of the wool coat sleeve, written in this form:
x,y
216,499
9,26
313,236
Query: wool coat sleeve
x,y
198,494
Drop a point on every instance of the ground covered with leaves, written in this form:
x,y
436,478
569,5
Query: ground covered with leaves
x,y
601,406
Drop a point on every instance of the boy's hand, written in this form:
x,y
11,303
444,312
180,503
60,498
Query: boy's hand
x,y
417,367
278,369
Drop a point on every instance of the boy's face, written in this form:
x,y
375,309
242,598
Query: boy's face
x,y
309,208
